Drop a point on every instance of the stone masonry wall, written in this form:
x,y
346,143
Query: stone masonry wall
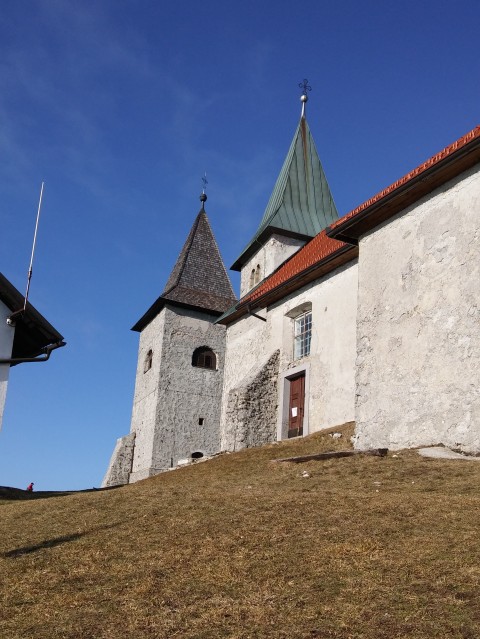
x,y
120,466
251,412
146,396
187,416
176,407
418,332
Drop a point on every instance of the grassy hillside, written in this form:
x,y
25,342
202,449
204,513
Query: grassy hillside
x,y
239,547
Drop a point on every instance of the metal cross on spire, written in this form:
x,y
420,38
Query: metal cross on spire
x,y
203,197
304,97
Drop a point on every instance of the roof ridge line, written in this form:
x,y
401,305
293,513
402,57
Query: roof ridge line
x,y
218,249
187,246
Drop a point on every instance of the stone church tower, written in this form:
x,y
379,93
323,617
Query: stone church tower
x,y
178,387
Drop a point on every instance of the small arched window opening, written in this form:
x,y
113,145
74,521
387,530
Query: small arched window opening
x,y
252,278
257,274
147,364
204,357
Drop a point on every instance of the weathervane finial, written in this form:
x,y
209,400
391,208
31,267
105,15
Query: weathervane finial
x,y
304,97
203,197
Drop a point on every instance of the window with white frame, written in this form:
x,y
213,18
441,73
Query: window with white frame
x,y
302,334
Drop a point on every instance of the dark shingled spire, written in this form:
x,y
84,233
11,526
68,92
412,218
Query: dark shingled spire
x,y
198,279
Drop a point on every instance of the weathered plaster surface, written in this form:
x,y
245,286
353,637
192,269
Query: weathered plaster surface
x,y
146,395
331,363
6,343
120,466
173,397
418,363
274,252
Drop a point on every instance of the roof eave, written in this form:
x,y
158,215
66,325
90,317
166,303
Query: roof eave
x,y
160,304
407,193
328,264
32,330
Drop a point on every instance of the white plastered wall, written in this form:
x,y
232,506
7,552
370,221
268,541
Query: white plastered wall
x,y
6,343
274,252
418,365
331,363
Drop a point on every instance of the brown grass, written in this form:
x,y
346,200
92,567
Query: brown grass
x,y
239,547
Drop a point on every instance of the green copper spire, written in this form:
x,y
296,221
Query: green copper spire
x,y
301,203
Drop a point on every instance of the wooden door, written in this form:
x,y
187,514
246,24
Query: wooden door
x,y
297,400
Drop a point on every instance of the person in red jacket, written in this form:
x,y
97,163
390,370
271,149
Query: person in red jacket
x,y
30,487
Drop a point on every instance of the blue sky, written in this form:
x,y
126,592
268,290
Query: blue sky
x,y
120,106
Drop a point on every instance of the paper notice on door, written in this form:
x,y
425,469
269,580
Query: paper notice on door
x,y
294,411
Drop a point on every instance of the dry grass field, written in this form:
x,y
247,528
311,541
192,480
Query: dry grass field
x,y
361,548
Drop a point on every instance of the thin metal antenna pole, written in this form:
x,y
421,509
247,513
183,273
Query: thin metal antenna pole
x,y
29,276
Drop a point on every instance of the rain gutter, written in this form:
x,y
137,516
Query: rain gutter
x,y
45,351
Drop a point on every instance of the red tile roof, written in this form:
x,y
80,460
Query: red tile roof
x,y
449,150
322,246
316,250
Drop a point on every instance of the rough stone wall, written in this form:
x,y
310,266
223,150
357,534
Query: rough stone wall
x,y
189,393
418,364
275,251
6,343
331,362
146,396
177,406
120,466
251,410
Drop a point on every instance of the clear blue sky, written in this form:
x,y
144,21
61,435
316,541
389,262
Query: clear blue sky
x,y
120,106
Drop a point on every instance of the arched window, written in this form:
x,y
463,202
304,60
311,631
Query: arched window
x,y
204,357
257,274
147,364
252,278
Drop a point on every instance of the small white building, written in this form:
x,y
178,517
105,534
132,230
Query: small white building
x,y
25,335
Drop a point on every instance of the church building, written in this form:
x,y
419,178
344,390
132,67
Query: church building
x,y
372,318
181,358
